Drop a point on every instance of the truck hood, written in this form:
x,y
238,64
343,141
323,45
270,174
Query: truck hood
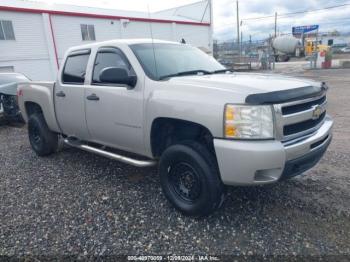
x,y
244,83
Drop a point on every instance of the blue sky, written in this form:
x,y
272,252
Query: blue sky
x,y
225,14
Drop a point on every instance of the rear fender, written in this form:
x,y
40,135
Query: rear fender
x,y
42,95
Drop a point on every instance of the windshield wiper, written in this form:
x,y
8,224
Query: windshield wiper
x,y
195,72
222,71
192,72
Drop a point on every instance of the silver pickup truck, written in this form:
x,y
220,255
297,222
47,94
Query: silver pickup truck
x,y
145,102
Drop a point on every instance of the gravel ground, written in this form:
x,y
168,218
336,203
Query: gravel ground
x,y
76,203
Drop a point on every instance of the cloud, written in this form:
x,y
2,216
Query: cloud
x,y
225,17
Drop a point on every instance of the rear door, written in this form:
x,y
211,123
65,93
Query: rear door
x,y
115,117
69,95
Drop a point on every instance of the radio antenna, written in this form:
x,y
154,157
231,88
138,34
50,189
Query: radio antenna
x,y
154,51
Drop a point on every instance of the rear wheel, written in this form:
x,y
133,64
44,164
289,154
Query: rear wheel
x,y
190,179
43,141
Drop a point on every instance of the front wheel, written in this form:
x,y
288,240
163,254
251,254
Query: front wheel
x,y
43,141
190,179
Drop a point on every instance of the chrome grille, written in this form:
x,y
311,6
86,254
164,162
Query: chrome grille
x,y
299,118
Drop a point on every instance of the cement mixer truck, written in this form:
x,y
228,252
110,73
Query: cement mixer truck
x,y
285,47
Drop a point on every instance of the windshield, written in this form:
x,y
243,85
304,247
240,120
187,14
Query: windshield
x,y
173,59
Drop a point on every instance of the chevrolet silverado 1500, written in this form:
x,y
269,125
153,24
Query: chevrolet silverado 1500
x,y
148,102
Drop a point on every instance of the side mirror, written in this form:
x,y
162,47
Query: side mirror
x,y
116,75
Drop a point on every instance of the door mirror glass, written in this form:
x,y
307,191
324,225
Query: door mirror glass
x,y
117,75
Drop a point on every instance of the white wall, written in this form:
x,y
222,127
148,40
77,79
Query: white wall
x,y
143,30
28,54
36,70
32,52
195,35
68,33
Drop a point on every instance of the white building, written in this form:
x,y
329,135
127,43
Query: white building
x,y
34,36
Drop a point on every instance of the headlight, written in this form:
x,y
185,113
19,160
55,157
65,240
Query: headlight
x,y
248,122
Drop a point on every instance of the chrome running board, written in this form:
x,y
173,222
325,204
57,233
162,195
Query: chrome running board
x,y
114,156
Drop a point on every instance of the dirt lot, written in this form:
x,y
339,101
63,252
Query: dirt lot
x,y
76,203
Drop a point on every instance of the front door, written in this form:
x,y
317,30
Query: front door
x,y
114,112
69,96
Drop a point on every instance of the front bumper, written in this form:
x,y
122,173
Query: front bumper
x,y
261,162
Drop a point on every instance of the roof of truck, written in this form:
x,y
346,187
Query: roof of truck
x,y
123,41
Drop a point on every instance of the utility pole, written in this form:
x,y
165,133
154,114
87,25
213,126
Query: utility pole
x,y
275,24
241,43
238,41
250,42
210,5
274,50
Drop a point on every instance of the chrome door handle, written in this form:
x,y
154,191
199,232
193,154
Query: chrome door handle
x,y
61,94
93,97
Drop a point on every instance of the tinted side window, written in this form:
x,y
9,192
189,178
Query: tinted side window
x,y
108,59
75,69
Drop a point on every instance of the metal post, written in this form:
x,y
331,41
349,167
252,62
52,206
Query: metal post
x,y
250,43
238,40
274,51
241,50
316,48
210,5
275,24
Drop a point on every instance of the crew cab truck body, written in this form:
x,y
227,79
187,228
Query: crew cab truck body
x,y
171,104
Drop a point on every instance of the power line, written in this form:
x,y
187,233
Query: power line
x,y
333,22
289,14
296,13
284,27
285,15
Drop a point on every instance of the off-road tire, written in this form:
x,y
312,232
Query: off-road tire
x,y
43,141
191,155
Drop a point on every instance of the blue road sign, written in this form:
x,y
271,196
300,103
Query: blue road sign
x,y
297,30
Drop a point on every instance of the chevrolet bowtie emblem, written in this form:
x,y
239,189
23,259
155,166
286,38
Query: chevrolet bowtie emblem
x,y
317,112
